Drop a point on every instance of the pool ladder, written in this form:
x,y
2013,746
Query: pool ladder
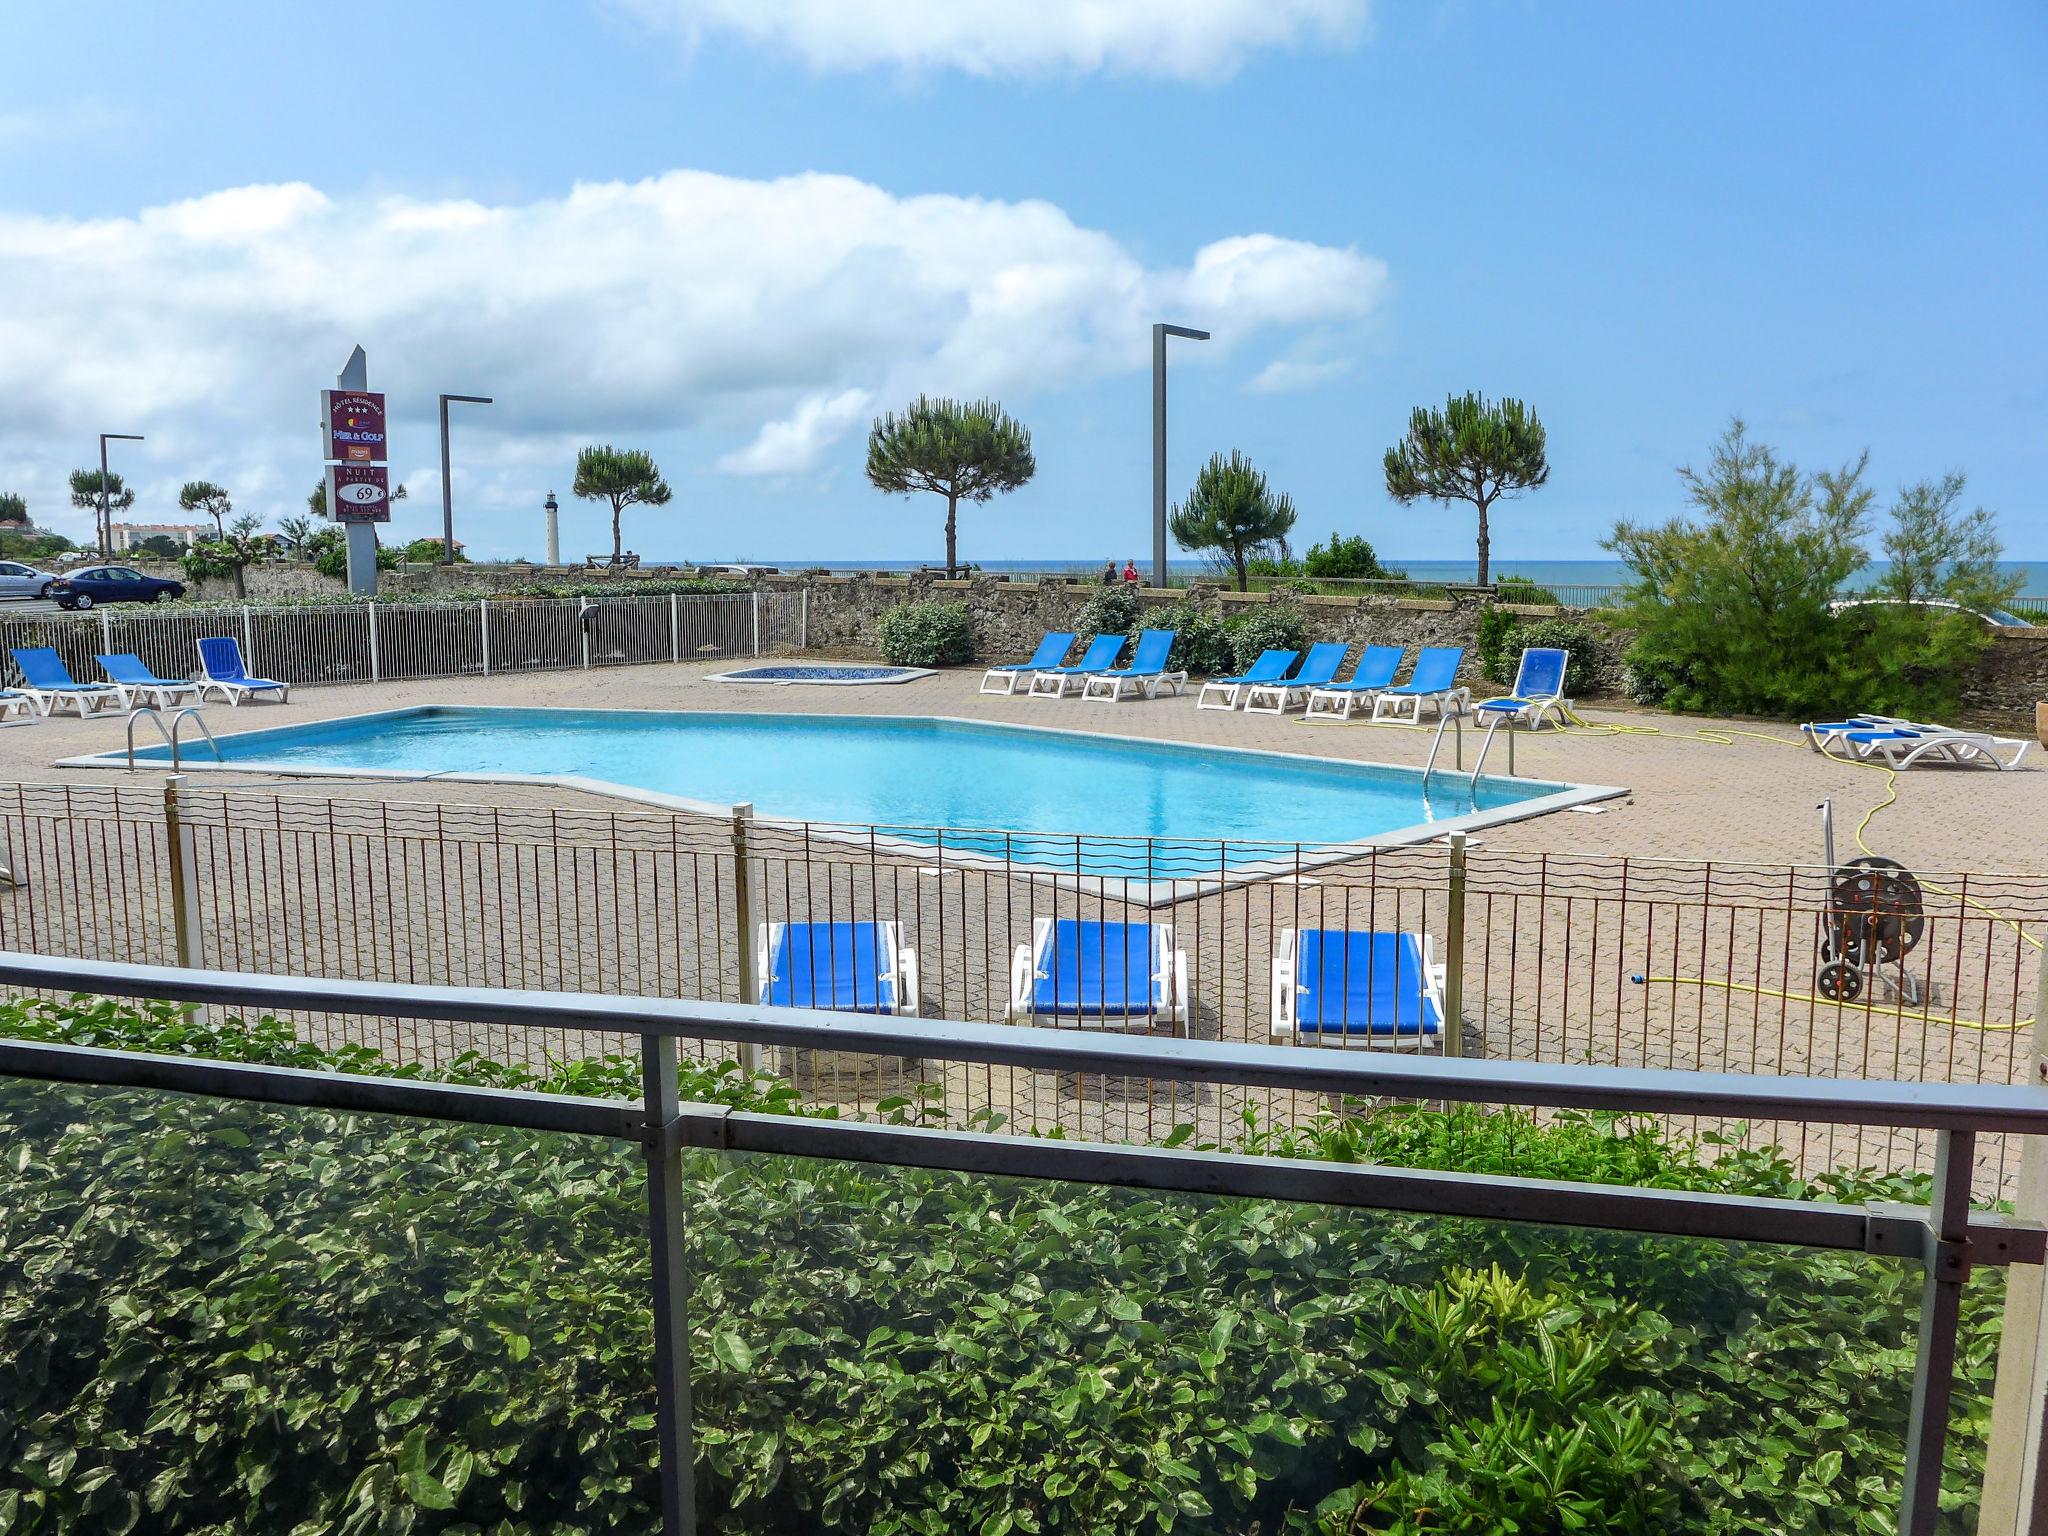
x,y
1447,720
170,734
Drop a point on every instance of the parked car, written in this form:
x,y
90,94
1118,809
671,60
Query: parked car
x,y
1998,618
112,584
18,580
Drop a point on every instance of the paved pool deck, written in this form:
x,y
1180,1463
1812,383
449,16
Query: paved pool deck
x,y
1701,788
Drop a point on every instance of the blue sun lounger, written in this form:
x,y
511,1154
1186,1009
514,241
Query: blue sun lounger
x,y
1318,667
48,683
129,673
1086,968
1383,988
1373,674
1271,667
1434,681
1052,650
1145,676
1101,655
1539,688
847,967
220,658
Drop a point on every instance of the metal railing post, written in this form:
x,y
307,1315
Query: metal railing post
x,y
1454,951
757,621
803,623
2016,1441
675,627
184,877
743,907
106,631
583,607
662,1148
1946,1255
376,666
249,643
483,630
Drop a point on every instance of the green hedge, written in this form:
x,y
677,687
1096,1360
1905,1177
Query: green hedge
x,y
927,635
226,1317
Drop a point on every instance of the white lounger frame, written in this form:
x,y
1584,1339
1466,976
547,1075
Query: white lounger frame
x,y
901,975
1337,703
1286,1025
1173,1007
1941,743
1108,687
85,699
1387,704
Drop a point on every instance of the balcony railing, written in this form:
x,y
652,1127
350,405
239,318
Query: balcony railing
x,y
722,1388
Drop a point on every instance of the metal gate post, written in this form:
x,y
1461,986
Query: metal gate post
x,y
662,1148
249,644
583,607
757,621
184,878
803,624
1454,951
743,908
2016,1442
483,629
376,667
1946,1255
106,631
675,628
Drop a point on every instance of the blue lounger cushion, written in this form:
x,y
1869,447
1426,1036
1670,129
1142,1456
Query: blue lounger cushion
x,y
1363,984
843,966
1086,968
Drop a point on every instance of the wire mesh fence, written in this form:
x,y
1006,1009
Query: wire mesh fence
x,y
1602,961
386,642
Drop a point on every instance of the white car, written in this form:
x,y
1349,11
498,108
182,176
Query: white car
x,y
1998,618
18,580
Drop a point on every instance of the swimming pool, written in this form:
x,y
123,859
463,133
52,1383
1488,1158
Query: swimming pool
x,y
1068,799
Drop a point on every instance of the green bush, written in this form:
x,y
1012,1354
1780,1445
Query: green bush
x,y
221,1316
1503,637
1111,610
1520,589
927,634
1202,640
1497,644
1352,559
1273,626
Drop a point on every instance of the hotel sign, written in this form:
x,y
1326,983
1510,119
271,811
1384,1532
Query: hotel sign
x,y
354,425
359,493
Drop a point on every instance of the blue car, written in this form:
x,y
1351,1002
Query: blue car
x,y
112,584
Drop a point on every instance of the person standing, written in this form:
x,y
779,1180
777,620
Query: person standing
x,y
1109,571
1131,572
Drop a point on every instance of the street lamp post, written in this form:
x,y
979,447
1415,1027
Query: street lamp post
x,y
447,491
105,534
1159,335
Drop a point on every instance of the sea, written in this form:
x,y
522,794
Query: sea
x,y
1550,573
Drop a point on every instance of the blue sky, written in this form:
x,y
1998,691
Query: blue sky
x,y
1642,220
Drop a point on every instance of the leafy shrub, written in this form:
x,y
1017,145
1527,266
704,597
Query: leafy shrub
x,y
1109,610
1520,589
1275,625
1352,559
927,634
1503,636
224,1316
1496,644
1202,640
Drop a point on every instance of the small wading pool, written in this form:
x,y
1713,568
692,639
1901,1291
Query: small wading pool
x,y
820,675
1071,802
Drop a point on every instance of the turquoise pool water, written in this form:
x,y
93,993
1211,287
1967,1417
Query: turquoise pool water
x,y
912,773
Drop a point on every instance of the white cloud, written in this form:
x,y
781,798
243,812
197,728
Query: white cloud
x,y
1181,39
1286,375
796,443
765,313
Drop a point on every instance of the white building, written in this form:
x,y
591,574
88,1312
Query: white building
x,y
128,535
